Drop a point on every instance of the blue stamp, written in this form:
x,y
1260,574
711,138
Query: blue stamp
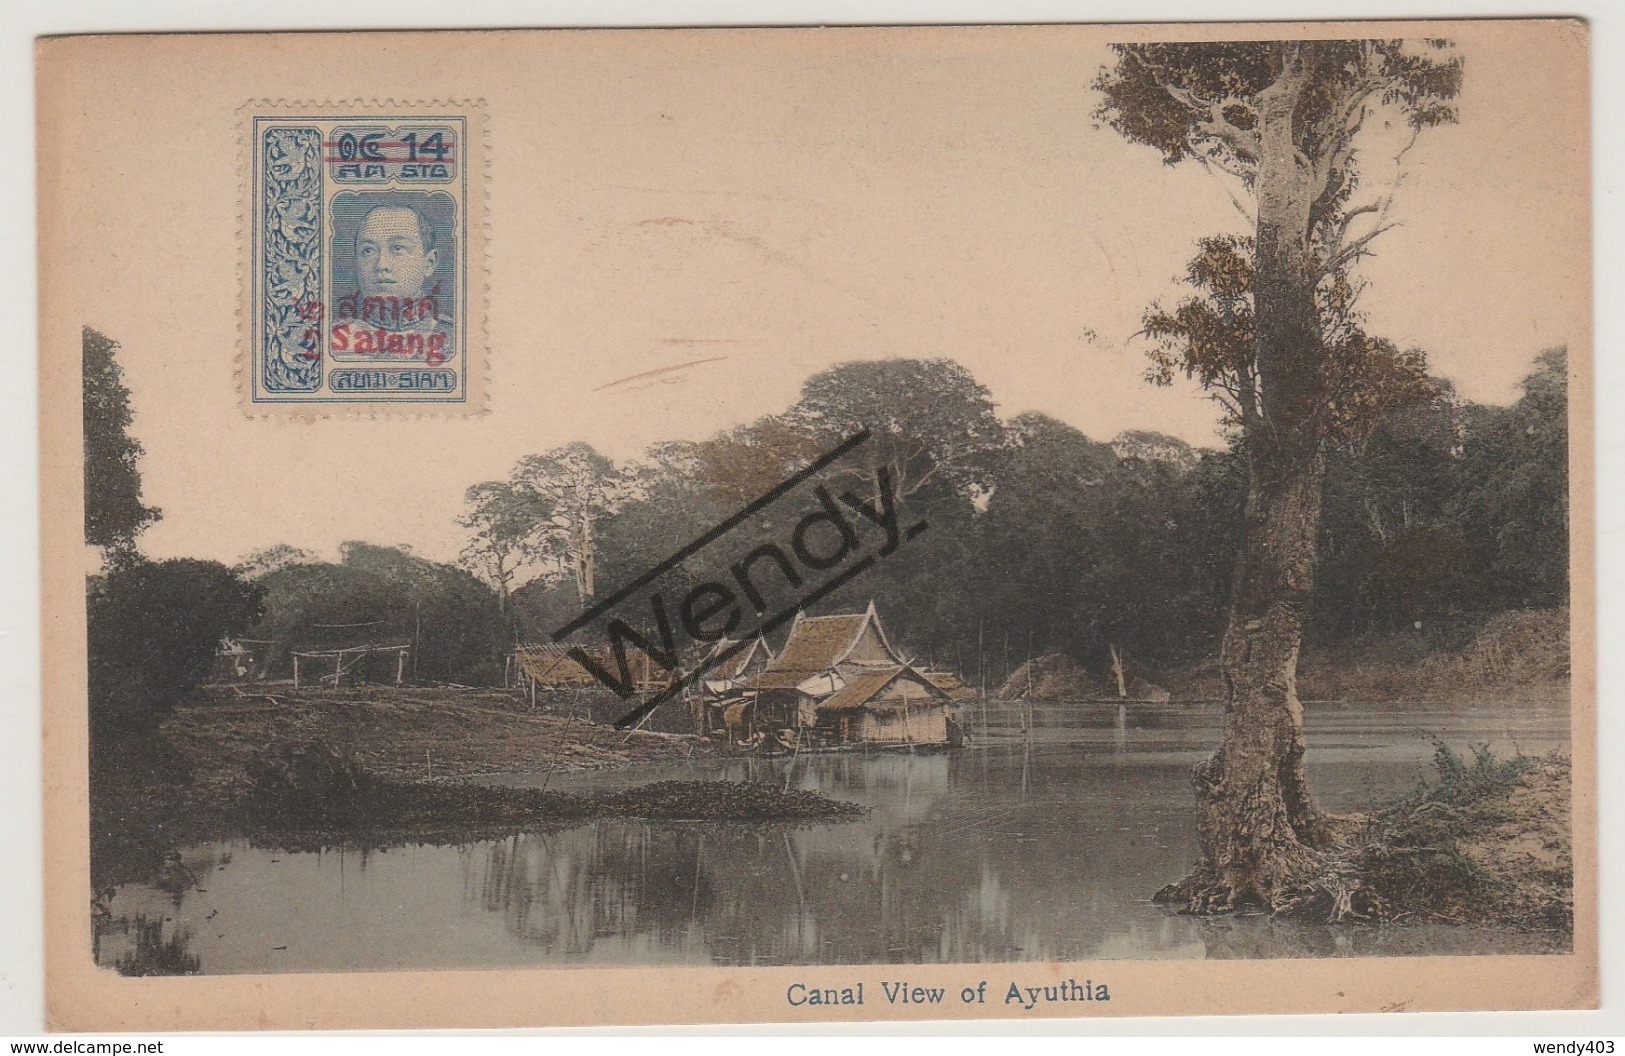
x,y
394,267
363,230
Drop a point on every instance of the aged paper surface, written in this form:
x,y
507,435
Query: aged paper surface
x,y
820,454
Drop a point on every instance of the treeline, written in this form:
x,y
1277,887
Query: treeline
x,y
1045,540
154,627
1041,539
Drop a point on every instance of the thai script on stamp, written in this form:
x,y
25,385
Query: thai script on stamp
x,y
363,231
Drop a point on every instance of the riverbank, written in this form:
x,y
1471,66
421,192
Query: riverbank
x,y
1487,844
1091,819
405,733
1519,657
376,765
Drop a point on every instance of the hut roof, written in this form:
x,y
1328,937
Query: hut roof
x,y
861,689
948,682
821,643
550,664
817,643
779,679
739,663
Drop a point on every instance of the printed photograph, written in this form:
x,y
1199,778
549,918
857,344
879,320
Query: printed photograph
x,y
394,274
950,497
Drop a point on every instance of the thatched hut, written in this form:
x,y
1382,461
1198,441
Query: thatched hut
x,y
840,680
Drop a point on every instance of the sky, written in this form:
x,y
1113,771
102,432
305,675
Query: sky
x,y
738,211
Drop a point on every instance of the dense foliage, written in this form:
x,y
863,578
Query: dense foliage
x,y
1042,539
153,629
114,512
378,595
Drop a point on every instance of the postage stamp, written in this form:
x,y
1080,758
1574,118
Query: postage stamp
x,y
363,237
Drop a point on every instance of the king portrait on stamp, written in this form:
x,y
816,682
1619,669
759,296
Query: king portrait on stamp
x,y
393,311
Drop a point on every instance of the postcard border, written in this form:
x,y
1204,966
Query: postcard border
x,y
82,997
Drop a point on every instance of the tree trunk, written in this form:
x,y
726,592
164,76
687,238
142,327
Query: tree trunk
x,y
585,558
1259,826
1258,822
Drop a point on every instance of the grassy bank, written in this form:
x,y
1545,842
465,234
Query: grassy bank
x,y
410,763
1511,658
404,733
1487,843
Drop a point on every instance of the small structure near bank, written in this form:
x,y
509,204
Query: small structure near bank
x,y
550,668
721,690
739,663
352,664
839,681
891,705
546,667
237,660
950,683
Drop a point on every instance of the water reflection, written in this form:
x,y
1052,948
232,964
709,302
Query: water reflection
x,y
1042,843
152,951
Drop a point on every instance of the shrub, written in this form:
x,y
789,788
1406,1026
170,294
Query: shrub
x,y
153,631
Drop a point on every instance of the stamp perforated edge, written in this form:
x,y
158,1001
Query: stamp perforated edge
x,y
478,350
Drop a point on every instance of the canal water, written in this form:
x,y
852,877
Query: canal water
x,y
1042,840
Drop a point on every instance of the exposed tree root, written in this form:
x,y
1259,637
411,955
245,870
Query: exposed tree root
x,y
1489,844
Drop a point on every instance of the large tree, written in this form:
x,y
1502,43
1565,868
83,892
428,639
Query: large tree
x,y
1285,120
570,491
114,512
928,420
503,539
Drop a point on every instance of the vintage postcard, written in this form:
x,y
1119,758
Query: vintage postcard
x,y
812,525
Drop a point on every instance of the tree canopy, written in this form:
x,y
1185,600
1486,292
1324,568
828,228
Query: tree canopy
x,y
1079,545
114,511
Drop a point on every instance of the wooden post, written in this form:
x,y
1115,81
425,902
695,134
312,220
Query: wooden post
x,y
295,670
400,665
1117,669
338,669
981,673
